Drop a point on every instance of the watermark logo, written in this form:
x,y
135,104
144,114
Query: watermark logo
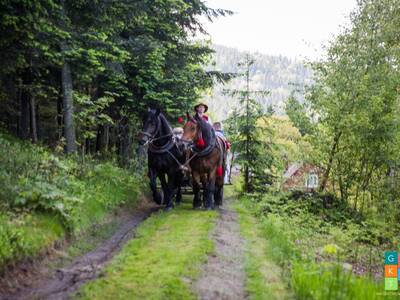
x,y
392,272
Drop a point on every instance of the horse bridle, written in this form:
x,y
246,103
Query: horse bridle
x,y
190,142
155,149
151,136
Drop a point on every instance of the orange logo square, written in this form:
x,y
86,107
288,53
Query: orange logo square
x,y
391,271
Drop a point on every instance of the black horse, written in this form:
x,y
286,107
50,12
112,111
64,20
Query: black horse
x,y
164,157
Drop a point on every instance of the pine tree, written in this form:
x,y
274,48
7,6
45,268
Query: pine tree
x,y
254,153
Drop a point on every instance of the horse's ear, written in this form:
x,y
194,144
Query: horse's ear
x,y
158,112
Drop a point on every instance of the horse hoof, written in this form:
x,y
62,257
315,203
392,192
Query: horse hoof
x,y
209,208
158,199
197,207
168,208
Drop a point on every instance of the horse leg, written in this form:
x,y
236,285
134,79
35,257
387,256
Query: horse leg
x,y
209,189
153,186
218,195
204,181
164,187
179,182
196,190
219,191
172,189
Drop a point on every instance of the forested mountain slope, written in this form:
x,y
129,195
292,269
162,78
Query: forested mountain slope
x,y
278,74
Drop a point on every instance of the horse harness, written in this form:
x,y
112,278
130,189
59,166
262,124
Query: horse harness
x,y
164,148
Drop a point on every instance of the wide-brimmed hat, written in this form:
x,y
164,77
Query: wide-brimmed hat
x,y
201,103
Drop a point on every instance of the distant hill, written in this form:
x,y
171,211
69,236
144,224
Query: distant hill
x,y
278,74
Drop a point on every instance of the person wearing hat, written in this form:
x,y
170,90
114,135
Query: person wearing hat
x,y
220,132
200,109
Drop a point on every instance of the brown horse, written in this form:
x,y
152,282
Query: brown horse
x,y
207,155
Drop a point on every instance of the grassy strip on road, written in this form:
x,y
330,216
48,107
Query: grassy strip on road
x,y
161,261
264,276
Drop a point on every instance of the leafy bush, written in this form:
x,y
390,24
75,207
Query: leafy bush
x,y
320,246
44,196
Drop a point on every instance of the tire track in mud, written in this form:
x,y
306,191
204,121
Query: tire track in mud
x,y
63,282
223,277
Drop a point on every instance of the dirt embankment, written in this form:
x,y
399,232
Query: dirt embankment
x,y
42,283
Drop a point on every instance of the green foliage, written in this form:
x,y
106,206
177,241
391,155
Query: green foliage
x,y
316,250
298,115
355,97
253,152
44,197
289,145
123,57
90,114
27,235
331,281
264,276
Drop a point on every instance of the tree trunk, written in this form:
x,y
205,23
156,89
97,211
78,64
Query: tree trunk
x,y
66,83
60,117
124,142
247,175
102,138
331,155
23,129
34,134
87,145
68,108
246,179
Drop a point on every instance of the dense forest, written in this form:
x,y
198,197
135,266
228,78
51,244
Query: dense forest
x,y
76,78
80,73
279,75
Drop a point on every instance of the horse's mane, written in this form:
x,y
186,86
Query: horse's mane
x,y
165,135
208,134
165,126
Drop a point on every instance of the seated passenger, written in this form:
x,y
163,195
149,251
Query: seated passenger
x,y
218,130
200,109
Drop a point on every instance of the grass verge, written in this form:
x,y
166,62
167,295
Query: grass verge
x,y
46,197
264,276
316,272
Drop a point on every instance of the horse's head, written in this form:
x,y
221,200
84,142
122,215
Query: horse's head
x,y
190,131
151,126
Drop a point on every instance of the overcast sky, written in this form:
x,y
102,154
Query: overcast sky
x,y
294,28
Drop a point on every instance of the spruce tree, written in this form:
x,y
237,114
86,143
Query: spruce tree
x,y
254,153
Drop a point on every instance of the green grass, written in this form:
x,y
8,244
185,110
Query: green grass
x,y
292,240
46,197
161,262
264,276
331,282
27,235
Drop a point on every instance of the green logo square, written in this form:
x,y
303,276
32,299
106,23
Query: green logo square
x,y
391,284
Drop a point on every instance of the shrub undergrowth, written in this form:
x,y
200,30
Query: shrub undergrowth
x,y
326,249
44,196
